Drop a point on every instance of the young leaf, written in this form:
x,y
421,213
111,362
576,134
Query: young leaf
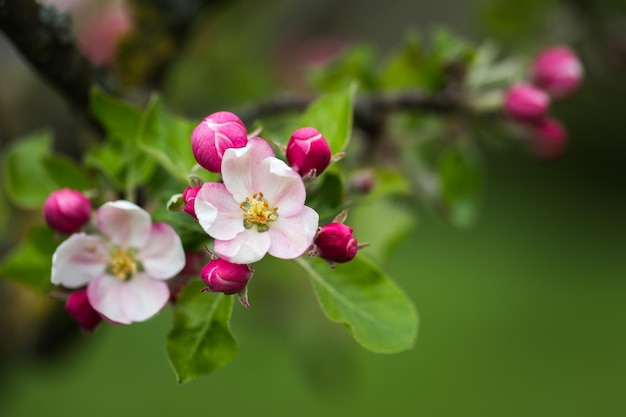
x,y
200,340
361,297
331,115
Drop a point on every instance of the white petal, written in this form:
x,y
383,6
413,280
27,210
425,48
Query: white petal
x,y
78,260
124,302
124,224
281,186
248,247
163,256
292,236
218,213
239,167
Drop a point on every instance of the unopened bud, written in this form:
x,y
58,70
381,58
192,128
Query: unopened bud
x,y
334,242
308,152
189,196
549,138
216,133
557,70
526,103
78,306
66,210
226,277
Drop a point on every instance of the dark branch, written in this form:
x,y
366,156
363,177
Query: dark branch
x,y
43,36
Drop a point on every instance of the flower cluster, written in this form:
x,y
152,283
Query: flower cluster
x,y
555,73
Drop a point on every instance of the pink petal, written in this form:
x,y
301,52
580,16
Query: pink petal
x,y
124,223
163,256
124,302
78,260
239,167
281,186
292,236
248,247
217,212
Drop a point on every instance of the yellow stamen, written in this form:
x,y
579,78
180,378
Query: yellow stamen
x,y
122,264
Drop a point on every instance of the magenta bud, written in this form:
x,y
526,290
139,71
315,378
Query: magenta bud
x,y
557,70
526,103
334,242
78,306
189,196
223,276
216,133
308,152
549,138
66,210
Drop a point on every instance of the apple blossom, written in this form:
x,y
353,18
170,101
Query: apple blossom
x,y
557,70
258,209
216,133
308,152
526,103
334,242
223,276
125,269
67,210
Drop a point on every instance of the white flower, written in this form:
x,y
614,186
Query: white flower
x,y
258,209
125,270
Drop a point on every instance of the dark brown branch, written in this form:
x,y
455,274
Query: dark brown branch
x,y
43,36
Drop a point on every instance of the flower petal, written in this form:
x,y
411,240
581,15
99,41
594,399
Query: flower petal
x,y
292,236
124,302
248,247
217,212
239,167
281,186
163,256
124,223
78,260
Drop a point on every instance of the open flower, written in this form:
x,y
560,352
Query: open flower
x,y
125,269
258,209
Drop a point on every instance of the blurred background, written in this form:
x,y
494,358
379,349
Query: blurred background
x,y
523,314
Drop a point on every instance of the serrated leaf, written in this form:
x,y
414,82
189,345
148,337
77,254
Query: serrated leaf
x,y
360,296
331,115
200,340
31,262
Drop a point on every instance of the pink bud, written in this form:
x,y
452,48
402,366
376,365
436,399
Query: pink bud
x,y
308,150
189,195
66,210
549,138
526,103
223,276
335,242
216,133
557,70
80,309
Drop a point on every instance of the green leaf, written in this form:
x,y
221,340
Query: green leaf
x,y
461,172
200,340
356,64
66,173
31,262
361,297
120,119
331,115
410,66
329,197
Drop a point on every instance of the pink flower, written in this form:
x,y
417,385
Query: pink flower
x,y
66,210
557,70
308,152
125,269
526,103
216,133
258,209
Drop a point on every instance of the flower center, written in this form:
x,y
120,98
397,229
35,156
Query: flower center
x,y
256,211
122,263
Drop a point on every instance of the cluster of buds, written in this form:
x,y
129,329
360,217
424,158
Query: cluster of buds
x,y
555,73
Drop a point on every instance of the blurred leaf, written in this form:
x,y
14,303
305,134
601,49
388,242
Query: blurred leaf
x,y
331,114
31,262
356,64
409,66
120,119
361,297
106,158
382,224
329,197
200,340
461,172
66,173
449,47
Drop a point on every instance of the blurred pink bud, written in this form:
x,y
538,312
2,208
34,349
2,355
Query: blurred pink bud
x,y
223,276
362,181
308,152
549,138
189,195
66,210
334,242
526,103
78,306
557,70
216,133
